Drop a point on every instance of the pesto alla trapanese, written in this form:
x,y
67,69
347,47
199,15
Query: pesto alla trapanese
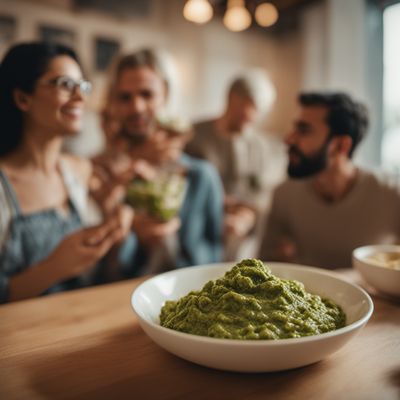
x,y
250,303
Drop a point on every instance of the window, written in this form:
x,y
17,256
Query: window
x,y
391,88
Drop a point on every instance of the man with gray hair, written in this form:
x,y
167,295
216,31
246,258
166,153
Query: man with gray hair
x,y
250,163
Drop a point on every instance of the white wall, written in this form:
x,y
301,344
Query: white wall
x,y
207,57
342,47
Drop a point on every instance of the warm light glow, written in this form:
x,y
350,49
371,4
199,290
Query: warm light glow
x,y
198,11
237,18
266,14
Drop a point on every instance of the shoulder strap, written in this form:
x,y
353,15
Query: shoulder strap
x,y
9,192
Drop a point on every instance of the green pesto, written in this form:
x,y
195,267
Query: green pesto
x,y
161,199
250,303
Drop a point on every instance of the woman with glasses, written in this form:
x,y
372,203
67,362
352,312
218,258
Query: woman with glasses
x,y
43,245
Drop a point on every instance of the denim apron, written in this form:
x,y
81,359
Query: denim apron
x,y
33,237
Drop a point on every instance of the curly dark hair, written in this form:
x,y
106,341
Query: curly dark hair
x,y
345,116
21,68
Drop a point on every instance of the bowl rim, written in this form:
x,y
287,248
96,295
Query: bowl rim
x,y
373,247
259,342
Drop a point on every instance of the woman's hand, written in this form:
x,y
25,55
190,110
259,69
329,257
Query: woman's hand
x,y
82,249
75,255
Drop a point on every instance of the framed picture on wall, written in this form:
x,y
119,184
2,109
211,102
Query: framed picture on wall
x,y
105,51
55,34
8,27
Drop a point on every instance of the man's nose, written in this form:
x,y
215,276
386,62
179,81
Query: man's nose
x,y
249,114
137,104
290,138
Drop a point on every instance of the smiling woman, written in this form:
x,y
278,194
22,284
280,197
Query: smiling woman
x,y
43,246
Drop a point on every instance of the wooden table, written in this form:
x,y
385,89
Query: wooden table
x,y
88,344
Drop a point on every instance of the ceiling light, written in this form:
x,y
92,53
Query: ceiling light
x,y
266,14
237,18
198,11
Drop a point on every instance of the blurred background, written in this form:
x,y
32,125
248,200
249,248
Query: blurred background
x,y
349,45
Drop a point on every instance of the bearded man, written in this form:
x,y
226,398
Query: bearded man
x,y
329,206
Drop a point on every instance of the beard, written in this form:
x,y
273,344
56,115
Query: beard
x,y
137,133
133,137
308,165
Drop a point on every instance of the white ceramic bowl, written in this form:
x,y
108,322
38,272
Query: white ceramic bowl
x,y
386,280
257,355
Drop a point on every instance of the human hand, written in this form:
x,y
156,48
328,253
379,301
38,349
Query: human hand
x,y
115,164
80,251
239,220
159,148
123,217
110,178
151,232
286,250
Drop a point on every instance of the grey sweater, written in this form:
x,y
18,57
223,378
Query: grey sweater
x,y
325,234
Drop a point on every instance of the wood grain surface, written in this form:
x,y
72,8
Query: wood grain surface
x,y
88,344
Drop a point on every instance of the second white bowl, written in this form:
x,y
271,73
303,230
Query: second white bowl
x,y
385,280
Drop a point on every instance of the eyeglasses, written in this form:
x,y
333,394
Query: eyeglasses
x,y
69,85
